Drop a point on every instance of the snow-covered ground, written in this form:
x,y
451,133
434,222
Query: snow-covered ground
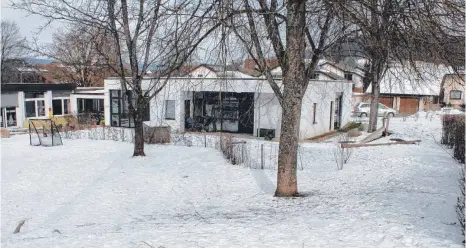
x,y
90,193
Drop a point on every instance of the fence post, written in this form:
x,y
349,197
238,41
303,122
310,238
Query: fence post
x,y
262,156
205,140
386,126
242,151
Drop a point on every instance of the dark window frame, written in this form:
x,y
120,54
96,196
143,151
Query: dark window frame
x,y
349,76
121,98
56,107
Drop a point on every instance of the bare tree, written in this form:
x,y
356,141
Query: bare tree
x,y
292,30
12,48
404,31
79,49
147,34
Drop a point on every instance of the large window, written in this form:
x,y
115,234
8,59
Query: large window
x,y
60,106
90,105
119,109
35,104
455,95
169,109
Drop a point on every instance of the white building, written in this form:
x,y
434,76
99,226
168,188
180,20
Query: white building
x,y
21,102
233,102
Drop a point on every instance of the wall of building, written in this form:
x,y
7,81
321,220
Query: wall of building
x,y
267,111
454,82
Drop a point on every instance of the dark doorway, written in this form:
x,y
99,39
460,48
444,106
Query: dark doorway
x,y
246,110
331,115
188,120
338,106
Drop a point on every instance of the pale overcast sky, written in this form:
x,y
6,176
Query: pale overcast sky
x,y
28,25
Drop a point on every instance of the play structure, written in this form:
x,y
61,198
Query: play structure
x,y
44,132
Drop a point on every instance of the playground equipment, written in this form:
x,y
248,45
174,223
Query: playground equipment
x,y
44,132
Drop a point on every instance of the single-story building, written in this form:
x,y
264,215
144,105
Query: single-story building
x,y
231,102
23,101
20,102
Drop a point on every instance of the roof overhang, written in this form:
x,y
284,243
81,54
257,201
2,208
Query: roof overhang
x,y
36,87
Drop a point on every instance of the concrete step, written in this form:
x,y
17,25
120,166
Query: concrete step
x,y
17,130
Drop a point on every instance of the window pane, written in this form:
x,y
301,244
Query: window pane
x,y
115,105
88,105
80,105
66,104
30,109
124,120
115,121
170,109
101,105
115,93
57,107
41,108
455,94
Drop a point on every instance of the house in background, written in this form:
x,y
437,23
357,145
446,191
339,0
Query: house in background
x,y
453,90
411,90
212,100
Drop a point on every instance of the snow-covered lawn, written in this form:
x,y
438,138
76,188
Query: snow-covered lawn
x,y
90,193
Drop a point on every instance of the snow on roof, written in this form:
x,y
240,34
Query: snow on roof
x,y
405,80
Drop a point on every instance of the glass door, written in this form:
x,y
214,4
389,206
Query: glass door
x,y
10,114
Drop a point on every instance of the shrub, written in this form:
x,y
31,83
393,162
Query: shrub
x,y
460,203
453,135
341,154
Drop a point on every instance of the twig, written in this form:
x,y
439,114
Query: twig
x,y
18,228
147,244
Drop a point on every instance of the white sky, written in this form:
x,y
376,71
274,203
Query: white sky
x,y
29,25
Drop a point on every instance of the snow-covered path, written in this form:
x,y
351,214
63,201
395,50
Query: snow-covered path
x,y
93,194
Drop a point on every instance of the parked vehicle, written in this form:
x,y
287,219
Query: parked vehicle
x,y
364,108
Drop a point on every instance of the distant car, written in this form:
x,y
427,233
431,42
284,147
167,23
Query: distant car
x,y
364,108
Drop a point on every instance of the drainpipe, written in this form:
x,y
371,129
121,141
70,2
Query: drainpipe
x,y
259,116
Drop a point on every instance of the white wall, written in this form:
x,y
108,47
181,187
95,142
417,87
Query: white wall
x,y
321,92
267,112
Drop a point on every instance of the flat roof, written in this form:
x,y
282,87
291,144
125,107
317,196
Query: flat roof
x,y
36,87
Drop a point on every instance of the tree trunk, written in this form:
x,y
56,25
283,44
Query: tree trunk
x,y
374,106
294,86
138,129
287,183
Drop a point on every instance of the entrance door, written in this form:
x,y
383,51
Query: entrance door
x,y
246,113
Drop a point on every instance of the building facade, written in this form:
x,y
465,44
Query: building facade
x,y
231,102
